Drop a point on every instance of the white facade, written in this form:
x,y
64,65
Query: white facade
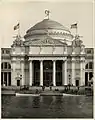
x,y
47,43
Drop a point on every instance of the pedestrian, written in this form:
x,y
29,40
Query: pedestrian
x,y
50,88
78,88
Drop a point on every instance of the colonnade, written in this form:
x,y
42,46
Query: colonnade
x,y
64,71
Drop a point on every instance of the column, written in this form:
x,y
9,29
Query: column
x,y
22,73
73,72
54,73
82,73
7,79
41,73
65,73
30,73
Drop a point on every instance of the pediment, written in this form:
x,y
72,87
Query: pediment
x,y
45,41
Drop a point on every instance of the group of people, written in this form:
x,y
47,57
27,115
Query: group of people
x,y
43,88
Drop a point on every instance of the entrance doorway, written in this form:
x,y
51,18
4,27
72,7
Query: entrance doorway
x,y
48,73
36,76
86,78
18,82
77,82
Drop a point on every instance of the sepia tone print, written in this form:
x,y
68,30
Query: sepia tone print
x,y
48,71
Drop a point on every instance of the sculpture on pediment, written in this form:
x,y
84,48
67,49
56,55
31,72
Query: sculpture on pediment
x,y
18,41
82,49
77,42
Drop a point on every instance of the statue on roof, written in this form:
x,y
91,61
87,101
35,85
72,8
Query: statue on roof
x,y
47,12
77,41
18,41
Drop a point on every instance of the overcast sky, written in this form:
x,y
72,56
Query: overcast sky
x,y
29,13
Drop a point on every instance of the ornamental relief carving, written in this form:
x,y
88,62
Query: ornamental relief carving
x,y
18,41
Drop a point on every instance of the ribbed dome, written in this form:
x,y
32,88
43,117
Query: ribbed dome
x,y
48,24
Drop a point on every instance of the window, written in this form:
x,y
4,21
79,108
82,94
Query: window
x,y
86,67
9,66
7,51
90,65
89,51
2,51
5,65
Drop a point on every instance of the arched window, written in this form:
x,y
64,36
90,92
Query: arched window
x,y
5,65
86,67
90,65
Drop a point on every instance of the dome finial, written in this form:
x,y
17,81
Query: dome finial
x,y
47,12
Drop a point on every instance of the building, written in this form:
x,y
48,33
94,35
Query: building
x,y
49,55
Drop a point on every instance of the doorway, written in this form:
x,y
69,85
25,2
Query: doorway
x,y
77,82
18,82
47,73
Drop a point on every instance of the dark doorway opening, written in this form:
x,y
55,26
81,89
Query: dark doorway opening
x,y
59,73
18,82
36,73
48,73
9,79
77,82
86,79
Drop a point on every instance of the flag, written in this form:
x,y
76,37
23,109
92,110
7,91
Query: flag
x,y
16,27
74,25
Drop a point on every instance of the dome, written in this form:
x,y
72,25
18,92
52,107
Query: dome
x,y
48,24
48,27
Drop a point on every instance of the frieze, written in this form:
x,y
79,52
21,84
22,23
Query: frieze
x,y
47,40
47,58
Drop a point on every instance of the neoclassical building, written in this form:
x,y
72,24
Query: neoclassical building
x,y
48,55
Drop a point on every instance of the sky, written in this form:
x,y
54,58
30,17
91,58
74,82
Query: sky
x,y
28,13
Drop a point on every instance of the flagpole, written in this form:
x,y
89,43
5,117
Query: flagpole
x,y
19,30
77,28
76,31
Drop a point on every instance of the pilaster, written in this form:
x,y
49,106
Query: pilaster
x,y
73,71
